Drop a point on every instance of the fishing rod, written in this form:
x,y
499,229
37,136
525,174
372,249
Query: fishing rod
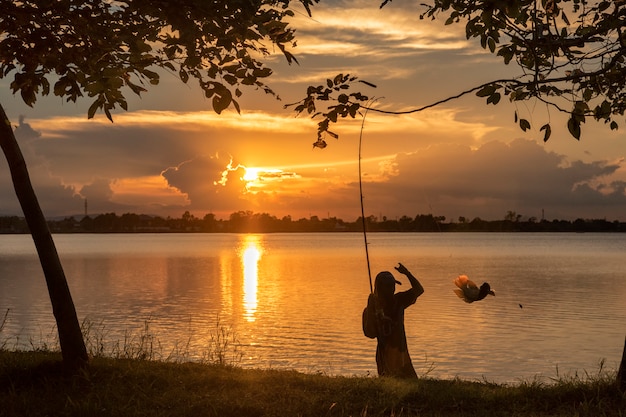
x,y
367,255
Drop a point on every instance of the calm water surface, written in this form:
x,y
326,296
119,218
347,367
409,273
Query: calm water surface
x,y
294,301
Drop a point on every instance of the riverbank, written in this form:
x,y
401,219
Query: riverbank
x,y
34,384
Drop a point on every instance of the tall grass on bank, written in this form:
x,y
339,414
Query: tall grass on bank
x,y
133,377
220,345
34,384
3,322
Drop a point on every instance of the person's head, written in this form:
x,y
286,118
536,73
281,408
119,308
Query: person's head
x,y
385,284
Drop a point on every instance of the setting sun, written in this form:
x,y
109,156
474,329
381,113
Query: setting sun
x,y
258,175
251,174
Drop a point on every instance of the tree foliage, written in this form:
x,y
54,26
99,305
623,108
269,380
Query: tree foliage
x,y
101,49
571,54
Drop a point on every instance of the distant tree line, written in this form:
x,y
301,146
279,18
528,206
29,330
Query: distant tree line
x,y
250,222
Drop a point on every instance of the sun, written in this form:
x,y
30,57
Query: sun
x,y
260,178
251,174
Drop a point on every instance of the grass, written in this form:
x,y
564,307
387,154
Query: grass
x,y
35,384
134,378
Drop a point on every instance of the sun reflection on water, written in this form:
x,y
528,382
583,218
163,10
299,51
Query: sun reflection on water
x,y
250,256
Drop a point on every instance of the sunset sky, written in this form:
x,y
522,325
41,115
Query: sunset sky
x,y
170,153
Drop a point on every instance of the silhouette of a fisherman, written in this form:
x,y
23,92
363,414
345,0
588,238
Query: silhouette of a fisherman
x,y
383,319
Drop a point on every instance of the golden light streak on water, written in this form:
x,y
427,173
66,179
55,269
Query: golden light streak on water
x,y
250,256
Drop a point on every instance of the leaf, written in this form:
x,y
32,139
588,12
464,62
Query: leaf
x,y
573,125
354,109
524,124
262,72
507,53
548,131
152,76
231,79
45,86
184,77
28,95
222,100
60,86
290,57
236,105
93,108
486,91
494,98
320,144
614,125
136,88
603,111
142,46
359,96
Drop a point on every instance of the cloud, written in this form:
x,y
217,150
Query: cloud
x,y
163,163
142,144
212,183
99,189
98,197
454,180
24,130
362,29
54,196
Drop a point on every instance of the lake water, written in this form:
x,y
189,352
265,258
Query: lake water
x,y
294,301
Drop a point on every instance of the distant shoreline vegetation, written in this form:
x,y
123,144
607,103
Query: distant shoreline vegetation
x,y
250,222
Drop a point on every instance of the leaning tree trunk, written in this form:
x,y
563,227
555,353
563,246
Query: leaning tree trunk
x,y
70,336
621,373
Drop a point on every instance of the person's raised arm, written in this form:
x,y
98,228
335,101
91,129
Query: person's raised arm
x,y
414,282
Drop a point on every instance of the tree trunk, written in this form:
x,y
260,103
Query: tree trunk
x,y
70,336
621,373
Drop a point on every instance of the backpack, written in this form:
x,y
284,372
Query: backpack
x,y
370,326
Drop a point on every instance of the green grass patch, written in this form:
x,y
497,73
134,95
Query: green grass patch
x,y
35,384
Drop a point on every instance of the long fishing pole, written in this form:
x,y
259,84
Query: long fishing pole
x,y
367,255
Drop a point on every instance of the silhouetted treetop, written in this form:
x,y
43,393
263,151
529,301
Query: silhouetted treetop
x,y
99,48
568,54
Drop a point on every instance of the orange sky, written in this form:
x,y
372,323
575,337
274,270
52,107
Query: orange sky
x,y
170,153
